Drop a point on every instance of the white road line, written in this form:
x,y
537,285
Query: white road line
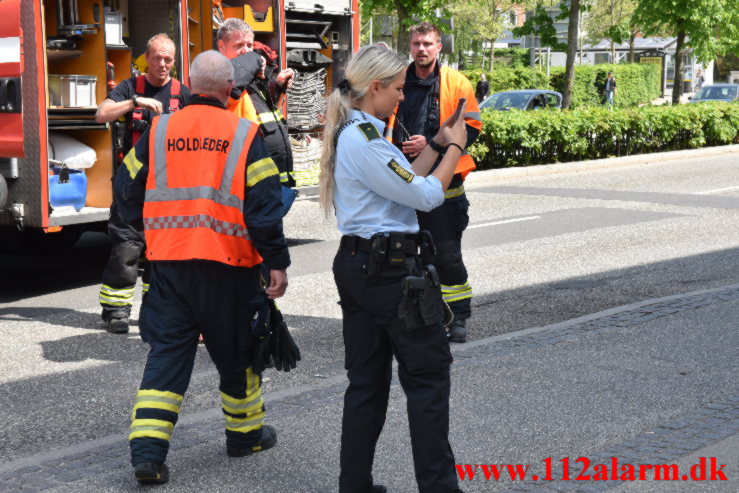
x,y
718,190
492,223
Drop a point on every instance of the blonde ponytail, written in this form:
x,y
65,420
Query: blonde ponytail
x,y
368,64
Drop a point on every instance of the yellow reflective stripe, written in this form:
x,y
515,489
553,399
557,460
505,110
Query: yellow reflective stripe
x,y
267,117
452,288
154,428
157,399
245,425
121,293
454,192
132,164
456,297
145,287
259,170
109,301
241,406
250,410
149,434
284,177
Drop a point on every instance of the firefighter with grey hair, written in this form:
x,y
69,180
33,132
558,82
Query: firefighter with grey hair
x,y
201,184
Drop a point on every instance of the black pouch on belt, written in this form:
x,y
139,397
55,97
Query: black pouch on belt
x,y
422,304
377,254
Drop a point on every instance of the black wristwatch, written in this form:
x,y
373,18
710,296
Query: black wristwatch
x,y
437,147
135,103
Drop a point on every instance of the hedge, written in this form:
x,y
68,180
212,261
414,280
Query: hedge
x,y
638,83
520,138
510,78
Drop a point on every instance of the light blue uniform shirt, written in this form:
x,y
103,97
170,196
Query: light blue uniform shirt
x,y
372,194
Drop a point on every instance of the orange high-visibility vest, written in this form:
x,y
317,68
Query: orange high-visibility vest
x,y
194,201
452,86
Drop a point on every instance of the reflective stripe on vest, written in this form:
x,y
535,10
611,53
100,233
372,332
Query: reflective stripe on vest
x,y
190,212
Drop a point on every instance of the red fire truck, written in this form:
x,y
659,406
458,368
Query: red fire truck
x,y
58,58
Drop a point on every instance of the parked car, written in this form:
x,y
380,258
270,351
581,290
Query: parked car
x,y
528,99
717,92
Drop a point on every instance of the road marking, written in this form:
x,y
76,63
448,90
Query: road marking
x,y
718,190
492,223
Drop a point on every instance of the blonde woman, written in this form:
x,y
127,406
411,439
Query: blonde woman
x,y
390,301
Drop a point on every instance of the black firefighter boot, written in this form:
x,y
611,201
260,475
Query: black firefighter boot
x,y
268,440
151,473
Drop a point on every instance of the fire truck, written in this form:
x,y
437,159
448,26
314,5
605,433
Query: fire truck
x,y
58,59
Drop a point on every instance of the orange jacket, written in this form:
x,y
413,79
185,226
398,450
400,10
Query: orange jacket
x,y
452,86
194,200
243,107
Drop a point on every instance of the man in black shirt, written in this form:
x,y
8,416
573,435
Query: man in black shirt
x,y
139,100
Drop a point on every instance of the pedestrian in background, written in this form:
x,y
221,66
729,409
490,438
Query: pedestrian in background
x,y
375,191
203,186
483,88
139,99
610,88
700,79
431,93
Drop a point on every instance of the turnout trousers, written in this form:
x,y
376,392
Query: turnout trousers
x,y
446,224
185,299
369,307
122,269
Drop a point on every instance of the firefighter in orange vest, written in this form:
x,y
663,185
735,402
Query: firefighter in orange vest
x,y
202,187
256,93
139,99
431,93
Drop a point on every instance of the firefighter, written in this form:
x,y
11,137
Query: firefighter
x,y
256,94
431,94
202,185
139,99
390,298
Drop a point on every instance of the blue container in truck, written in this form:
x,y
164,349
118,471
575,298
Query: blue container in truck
x,y
67,187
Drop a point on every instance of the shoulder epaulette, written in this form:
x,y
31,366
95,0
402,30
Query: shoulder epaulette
x,y
369,131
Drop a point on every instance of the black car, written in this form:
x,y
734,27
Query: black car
x,y
528,99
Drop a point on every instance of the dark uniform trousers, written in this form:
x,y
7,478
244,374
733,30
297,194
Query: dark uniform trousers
x,y
185,299
446,224
122,269
369,307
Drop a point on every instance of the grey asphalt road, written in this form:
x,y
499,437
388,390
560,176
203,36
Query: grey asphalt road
x,y
542,250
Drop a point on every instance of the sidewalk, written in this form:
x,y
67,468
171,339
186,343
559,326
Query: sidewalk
x,y
648,383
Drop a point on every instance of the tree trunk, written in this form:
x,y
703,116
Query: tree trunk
x,y
571,53
632,42
492,54
404,41
613,51
677,80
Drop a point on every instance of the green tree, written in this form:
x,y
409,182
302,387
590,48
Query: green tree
x,y
408,12
485,18
707,27
612,20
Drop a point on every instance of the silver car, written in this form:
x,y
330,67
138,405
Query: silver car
x,y
526,99
717,92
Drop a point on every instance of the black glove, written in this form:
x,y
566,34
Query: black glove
x,y
246,67
285,352
261,332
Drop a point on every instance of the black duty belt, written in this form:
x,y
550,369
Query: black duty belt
x,y
393,241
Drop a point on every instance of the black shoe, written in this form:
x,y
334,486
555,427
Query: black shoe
x,y
458,331
378,488
268,440
151,473
118,324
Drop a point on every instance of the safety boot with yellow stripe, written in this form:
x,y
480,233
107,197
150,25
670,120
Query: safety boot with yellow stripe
x,y
268,440
151,473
